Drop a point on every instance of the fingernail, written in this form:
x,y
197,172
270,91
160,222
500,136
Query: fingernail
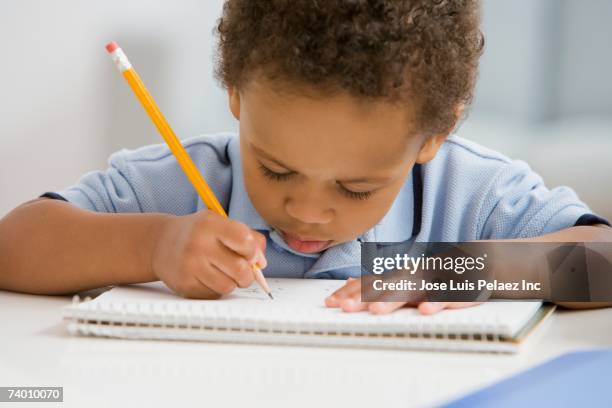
x,y
349,303
377,308
261,260
433,307
331,301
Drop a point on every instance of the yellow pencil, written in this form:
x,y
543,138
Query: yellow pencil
x,y
183,158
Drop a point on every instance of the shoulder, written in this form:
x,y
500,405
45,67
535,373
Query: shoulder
x,y
463,162
158,182
212,146
463,183
456,146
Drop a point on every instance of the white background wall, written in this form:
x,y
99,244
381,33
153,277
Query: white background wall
x,y
63,105
546,59
544,93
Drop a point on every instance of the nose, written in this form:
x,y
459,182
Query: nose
x,y
308,209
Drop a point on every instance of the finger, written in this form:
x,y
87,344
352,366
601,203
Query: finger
x,y
194,289
336,301
348,290
332,301
261,261
461,305
241,239
385,307
352,304
215,279
233,265
428,308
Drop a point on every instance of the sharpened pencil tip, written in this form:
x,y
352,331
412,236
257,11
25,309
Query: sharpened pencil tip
x,y
269,294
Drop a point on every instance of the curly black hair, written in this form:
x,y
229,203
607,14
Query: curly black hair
x,y
421,52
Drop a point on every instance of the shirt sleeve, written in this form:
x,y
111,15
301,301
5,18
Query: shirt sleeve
x,y
150,179
519,205
591,219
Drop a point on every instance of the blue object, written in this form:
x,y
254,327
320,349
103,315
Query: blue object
x,y
578,379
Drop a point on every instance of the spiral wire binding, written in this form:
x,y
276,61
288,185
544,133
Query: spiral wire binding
x,y
187,321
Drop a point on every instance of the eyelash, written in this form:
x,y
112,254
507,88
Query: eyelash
x,y
273,175
362,195
356,195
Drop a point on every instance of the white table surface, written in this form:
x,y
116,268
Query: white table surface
x,y
36,350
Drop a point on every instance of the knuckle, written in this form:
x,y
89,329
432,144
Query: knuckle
x,y
226,287
244,274
249,238
241,266
207,219
201,218
206,214
244,232
261,239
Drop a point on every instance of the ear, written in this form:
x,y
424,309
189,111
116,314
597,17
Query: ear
x,y
234,101
430,148
432,144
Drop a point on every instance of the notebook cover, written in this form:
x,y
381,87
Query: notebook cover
x,y
577,379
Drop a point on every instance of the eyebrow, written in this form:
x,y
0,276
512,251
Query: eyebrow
x,y
366,180
353,180
267,156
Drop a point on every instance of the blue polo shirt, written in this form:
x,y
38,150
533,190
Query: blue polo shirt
x,y
467,192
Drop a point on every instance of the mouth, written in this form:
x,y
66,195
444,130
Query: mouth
x,y
304,244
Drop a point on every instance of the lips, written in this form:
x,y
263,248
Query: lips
x,y
304,244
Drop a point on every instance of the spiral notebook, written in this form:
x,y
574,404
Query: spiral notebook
x,y
298,316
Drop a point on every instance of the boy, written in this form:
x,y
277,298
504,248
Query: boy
x,y
346,110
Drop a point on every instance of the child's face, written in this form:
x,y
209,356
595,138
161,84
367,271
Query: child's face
x,y
322,171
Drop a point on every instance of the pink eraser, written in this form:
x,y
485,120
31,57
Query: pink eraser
x,y
111,46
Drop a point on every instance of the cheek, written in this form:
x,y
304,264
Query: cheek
x,y
363,215
360,216
265,195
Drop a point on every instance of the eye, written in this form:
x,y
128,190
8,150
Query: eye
x,y
355,195
272,175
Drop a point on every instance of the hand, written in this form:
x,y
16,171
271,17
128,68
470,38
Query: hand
x,y
348,298
205,255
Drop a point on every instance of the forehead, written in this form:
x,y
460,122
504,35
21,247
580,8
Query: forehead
x,y
326,133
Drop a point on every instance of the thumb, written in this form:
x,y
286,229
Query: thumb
x,y
260,259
